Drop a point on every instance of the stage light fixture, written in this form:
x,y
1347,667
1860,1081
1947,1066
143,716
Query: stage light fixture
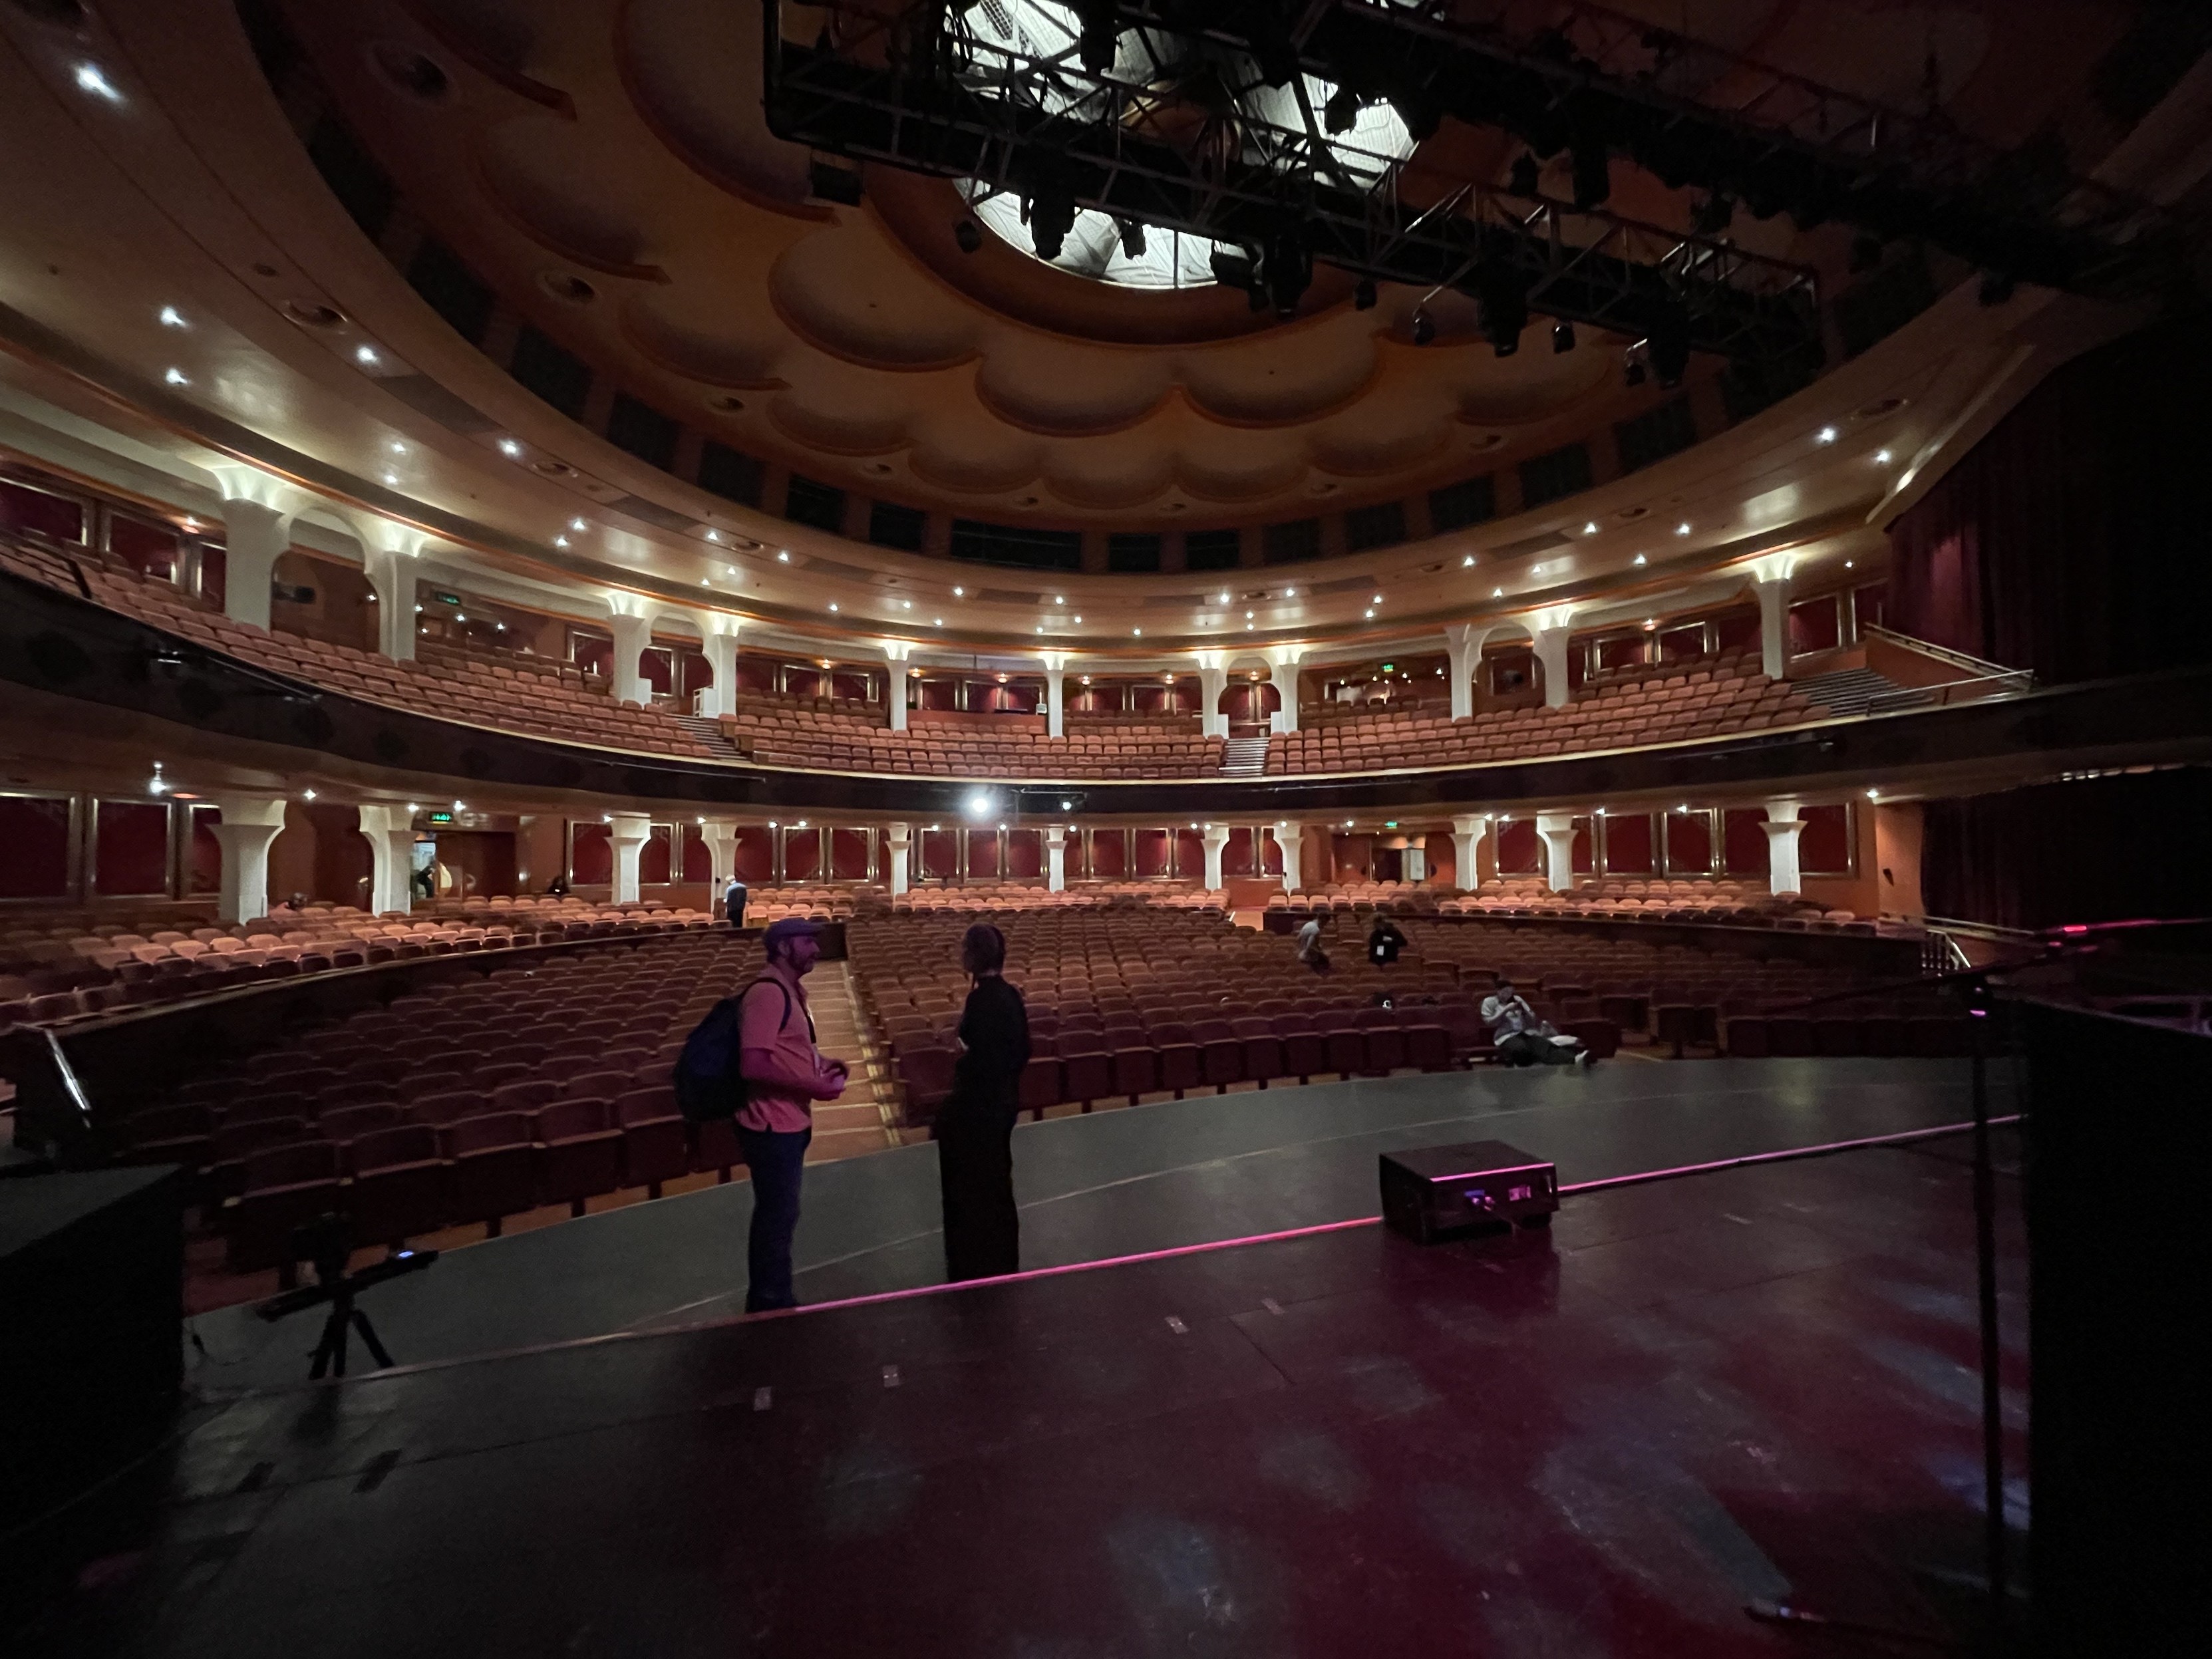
x,y
966,235
1289,270
1711,216
1670,346
1051,216
1631,371
1996,289
1524,177
1362,295
1424,328
1592,174
1132,239
1097,39
1501,307
1563,338
1341,110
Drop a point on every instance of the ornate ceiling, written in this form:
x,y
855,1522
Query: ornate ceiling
x,y
613,151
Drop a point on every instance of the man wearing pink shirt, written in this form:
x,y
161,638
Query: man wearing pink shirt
x,y
785,1074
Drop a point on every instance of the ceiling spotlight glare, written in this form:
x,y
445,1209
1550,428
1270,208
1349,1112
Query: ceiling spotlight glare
x,y
1370,614
1223,599
783,556
833,605
365,355
1563,338
959,593
1496,593
1683,528
1424,328
1827,434
1524,177
172,317
1589,528
1060,599
981,805
1639,559
966,235
1468,563
1362,294
177,377
508,448
1078,619
89,78
1881,458
577,524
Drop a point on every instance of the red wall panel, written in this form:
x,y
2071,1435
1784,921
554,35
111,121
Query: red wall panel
x,y
34,846
130,848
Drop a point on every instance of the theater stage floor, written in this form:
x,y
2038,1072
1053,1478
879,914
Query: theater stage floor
x,y
1109,1184
1752,1383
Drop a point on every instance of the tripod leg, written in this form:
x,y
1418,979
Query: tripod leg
x,y
331,1347
368,1340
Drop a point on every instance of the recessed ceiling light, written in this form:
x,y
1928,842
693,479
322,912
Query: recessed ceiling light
x,y
1137,631
1370,610
176,377
714,535
1847,564
1248,627
959,593
1591,529
1078,619
560,541
508,448
833,605
783,556
1247,616
1881,458
1060,599
1467,562
1496,593
1639,559
1290,592
577,524
172,317
1827,434
392,479
398,449
938,622
365,355
906,604
703,582
1377,599
1683,528
89,78
1223,600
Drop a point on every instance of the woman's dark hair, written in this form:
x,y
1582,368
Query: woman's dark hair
x,y
983,949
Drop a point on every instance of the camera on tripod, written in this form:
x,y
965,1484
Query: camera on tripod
x,y
327,1242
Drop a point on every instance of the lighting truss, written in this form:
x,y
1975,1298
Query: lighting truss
x,y
1186,131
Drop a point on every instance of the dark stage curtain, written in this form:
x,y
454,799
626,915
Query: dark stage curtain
x,y
2070,540
2101,849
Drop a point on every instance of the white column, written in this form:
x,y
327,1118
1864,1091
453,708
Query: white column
x,y
1287,837
1557,830
1282,674
628,832
1212,681
1552,653
1773,626
1464,641
721,649
1055,858
392,578
1214,837
1467,831
1055,677
250,823
632,635
896,653
721,836
900,839
390,833
1783,828
255,536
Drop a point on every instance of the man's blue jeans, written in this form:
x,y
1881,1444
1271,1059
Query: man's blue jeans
x,y
775,1157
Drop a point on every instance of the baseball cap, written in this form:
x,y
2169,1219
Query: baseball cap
x,y
790,928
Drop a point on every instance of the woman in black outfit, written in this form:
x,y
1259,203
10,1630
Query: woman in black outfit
x,y
975,1130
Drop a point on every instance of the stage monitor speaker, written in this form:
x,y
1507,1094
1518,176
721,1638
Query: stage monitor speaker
x,y
1478,1185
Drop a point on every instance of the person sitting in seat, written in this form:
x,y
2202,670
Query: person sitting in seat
x,y
558,887
1384,941
1523,1039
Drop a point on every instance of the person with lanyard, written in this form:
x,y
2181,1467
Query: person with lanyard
x,y
784,1073
1520,1036
733,901
974,1129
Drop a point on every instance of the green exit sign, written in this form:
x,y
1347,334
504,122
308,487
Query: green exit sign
x,y
448,599
441,818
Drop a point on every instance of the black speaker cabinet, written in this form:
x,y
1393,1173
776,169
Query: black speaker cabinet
x,y
1479,1186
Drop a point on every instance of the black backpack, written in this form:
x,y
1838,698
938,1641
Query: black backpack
x,y
710,1085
